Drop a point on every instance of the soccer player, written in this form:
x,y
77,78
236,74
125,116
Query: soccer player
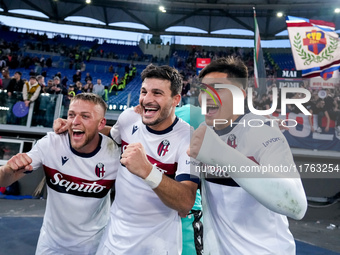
x,y
154,185
244,213
80,168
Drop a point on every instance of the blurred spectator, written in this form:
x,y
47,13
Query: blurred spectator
x,y
88,87
70,92
115,79
64,82
49,62
14,91
38,68
6,78
54,90
56,87
82,67
49,85
41,81
264,103
77,77
31,91
110,69
58,74
99,88
332,109
3,63
16,84
79,88
320,111
88,77
32,72
44,73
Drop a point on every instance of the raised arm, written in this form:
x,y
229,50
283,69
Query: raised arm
x,y
14,169
280,192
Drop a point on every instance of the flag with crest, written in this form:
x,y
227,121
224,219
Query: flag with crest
x,y
315,46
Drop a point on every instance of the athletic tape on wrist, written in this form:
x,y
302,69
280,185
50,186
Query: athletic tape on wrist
x,y
154,178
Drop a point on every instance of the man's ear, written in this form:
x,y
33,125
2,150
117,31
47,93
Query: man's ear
x,y
101,124
175,100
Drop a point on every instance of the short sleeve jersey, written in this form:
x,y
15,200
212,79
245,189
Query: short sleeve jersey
x,y
140,222
235,222
78,198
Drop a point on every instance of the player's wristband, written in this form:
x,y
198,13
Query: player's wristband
x,y
154,178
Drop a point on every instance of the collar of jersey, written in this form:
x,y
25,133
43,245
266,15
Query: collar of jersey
x,y
229,128
162,132
86,155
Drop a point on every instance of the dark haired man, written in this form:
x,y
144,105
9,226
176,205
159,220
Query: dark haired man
x,y
244,210
16,84
154,184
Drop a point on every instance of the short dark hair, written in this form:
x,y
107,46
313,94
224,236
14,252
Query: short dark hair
x,y
319,100
164,73
90,97
234,67
19,73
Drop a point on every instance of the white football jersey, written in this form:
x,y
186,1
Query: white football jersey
x,y
78,192
140,222
234,222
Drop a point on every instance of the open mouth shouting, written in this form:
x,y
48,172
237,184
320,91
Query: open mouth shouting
x,y
77,134
150,111
212,109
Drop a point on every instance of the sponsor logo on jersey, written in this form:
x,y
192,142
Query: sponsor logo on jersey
x,y
134,129
192,162
163,148
272,140
69,184
64,160
100,170
232,141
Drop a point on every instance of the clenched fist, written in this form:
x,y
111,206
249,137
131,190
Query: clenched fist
x,y
19,162
135,160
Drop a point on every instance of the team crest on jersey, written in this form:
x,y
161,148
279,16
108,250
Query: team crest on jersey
x,y
134,129
232,141
163,148
100,170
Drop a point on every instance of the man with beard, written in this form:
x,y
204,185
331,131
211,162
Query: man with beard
x,y
154,186
80,168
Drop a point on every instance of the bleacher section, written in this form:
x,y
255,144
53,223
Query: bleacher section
x,y
285,61
119,101
64,45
